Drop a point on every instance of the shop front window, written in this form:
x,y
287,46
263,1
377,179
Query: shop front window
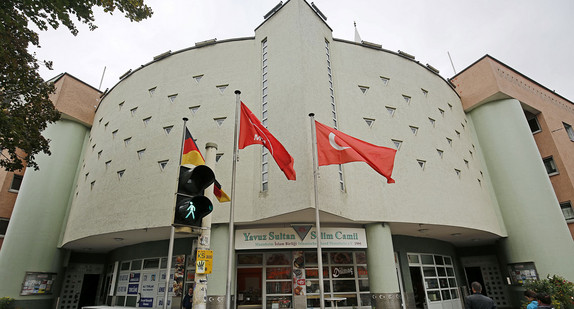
x,y
273,279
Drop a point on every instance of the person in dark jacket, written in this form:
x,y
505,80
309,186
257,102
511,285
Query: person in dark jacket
x,y
477,300
544,301
188,299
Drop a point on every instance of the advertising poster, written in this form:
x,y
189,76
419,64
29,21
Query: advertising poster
x,y
178,275
299,285
36,283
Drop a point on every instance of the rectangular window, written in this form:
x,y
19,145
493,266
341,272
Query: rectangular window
x,y
569,130
567,210
532,122
16,182
550,166
3,226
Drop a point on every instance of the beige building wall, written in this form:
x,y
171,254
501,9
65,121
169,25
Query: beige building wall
x,y
489,79
75,100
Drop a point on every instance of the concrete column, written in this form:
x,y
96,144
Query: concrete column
x,y
218,278
383,281
31,242
536,228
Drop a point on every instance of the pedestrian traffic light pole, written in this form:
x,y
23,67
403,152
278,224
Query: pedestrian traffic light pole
x,y
204,241
172,230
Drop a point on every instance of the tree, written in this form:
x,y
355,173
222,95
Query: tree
x,y
25,106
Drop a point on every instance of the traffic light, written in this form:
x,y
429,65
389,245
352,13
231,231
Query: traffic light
x,y
191,205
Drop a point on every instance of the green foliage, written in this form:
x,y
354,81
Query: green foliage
x,y
560,289
25,106
5,302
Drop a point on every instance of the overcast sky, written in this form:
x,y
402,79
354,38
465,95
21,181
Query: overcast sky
x,y
534,37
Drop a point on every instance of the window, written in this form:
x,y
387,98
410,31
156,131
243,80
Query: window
x,y
3,226
533,122
222,88
425,92
16,182
121,174
141,153
167,129
146,121
121,105
194,109
385,80
162,164
172,97
133,111
438,275
127,141
197,78
151,91
414,129
219,121
567,210
108,164
264,114
569,130
114,133
550,166
218,157
422,163
397,143
440,153
369,121
407,98
391,110
363,89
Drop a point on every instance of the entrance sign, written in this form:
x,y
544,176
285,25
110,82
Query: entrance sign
x,y
287,238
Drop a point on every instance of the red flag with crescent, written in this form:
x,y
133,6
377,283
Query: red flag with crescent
x,y
336,147
253,132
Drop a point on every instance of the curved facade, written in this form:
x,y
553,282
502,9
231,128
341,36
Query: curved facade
x,y
448,220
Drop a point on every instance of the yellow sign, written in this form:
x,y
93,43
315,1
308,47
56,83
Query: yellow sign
x,y
204,262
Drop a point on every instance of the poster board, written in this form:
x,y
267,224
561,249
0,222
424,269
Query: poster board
x,y
37,283
522,272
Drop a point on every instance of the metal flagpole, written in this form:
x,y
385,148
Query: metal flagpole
x,y
172,232
231,249
317,220
169,257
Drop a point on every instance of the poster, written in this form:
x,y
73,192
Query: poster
x,y
178,275
37,283
299,285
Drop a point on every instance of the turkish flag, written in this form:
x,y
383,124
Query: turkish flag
x,y
253,132
335,147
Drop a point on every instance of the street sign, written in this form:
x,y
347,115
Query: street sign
x,y
204,262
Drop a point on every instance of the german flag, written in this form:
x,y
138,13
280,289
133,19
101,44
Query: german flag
x,y
222,197
192,155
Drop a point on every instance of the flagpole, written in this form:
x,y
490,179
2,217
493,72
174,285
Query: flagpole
x,y
317,219
231,249
172,230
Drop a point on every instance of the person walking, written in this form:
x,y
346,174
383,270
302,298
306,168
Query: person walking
x,y
477,300
188,299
